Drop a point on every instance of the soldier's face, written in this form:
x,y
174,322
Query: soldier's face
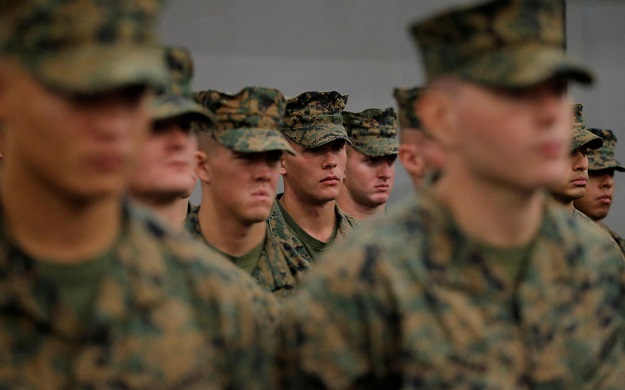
x,y
515,138
165,166
597,200
573,186
71,146
241,185
315,175
369,180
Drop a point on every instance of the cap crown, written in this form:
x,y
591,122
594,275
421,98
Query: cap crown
x,y
248,121
499,43
581,136
406,99
63,42
604,157
373,132
312,119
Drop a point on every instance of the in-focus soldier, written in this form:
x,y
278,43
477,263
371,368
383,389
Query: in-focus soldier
x,y
574,184
305,218
238,165
93,293
482,281
370,167
164,174
419,152
597,199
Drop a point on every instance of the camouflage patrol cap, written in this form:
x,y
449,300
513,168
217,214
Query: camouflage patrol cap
x,y
406,99
373,132
249,121
501,43
175,98
603,158
83,46
581,136
313,119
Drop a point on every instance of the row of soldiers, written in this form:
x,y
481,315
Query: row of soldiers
x,y
479,281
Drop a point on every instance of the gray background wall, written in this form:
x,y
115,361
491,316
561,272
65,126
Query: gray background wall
x,y
362,48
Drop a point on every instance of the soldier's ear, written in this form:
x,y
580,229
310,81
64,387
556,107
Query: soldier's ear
x,y
283,164
412,160
435,111
202,170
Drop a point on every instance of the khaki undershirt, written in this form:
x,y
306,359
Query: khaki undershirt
x,y
511,259
313,246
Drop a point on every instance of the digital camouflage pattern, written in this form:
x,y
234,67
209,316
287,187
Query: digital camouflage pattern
x,y
169,313
106,44
502,43
313,119
615,236
174,97
373,132
292,246
581,136
406,99
603,158
249,121
412,302
276,272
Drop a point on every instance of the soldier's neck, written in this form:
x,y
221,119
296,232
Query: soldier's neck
x,y
359,211
52,226
173,212
226,232
318,220
491,212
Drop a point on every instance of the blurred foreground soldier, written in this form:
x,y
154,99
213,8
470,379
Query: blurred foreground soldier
x,y
94,294
306,218
419,152
239,167
370,168
164,175
597,199
583,141
481,282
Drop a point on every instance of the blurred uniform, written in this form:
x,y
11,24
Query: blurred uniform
x,y
312,120
600,189
153,309
247,124
370,169
414,301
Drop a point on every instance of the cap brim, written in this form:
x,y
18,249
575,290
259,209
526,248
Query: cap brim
x,y
317,135
171,106
524,66
253,140
587,139
93,69
617,166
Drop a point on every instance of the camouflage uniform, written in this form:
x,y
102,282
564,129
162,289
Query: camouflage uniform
x,y
167,313
373,132
276,272
414,302
249,122
292,246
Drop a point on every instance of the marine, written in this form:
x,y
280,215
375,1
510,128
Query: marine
x,y
481,281
95,293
